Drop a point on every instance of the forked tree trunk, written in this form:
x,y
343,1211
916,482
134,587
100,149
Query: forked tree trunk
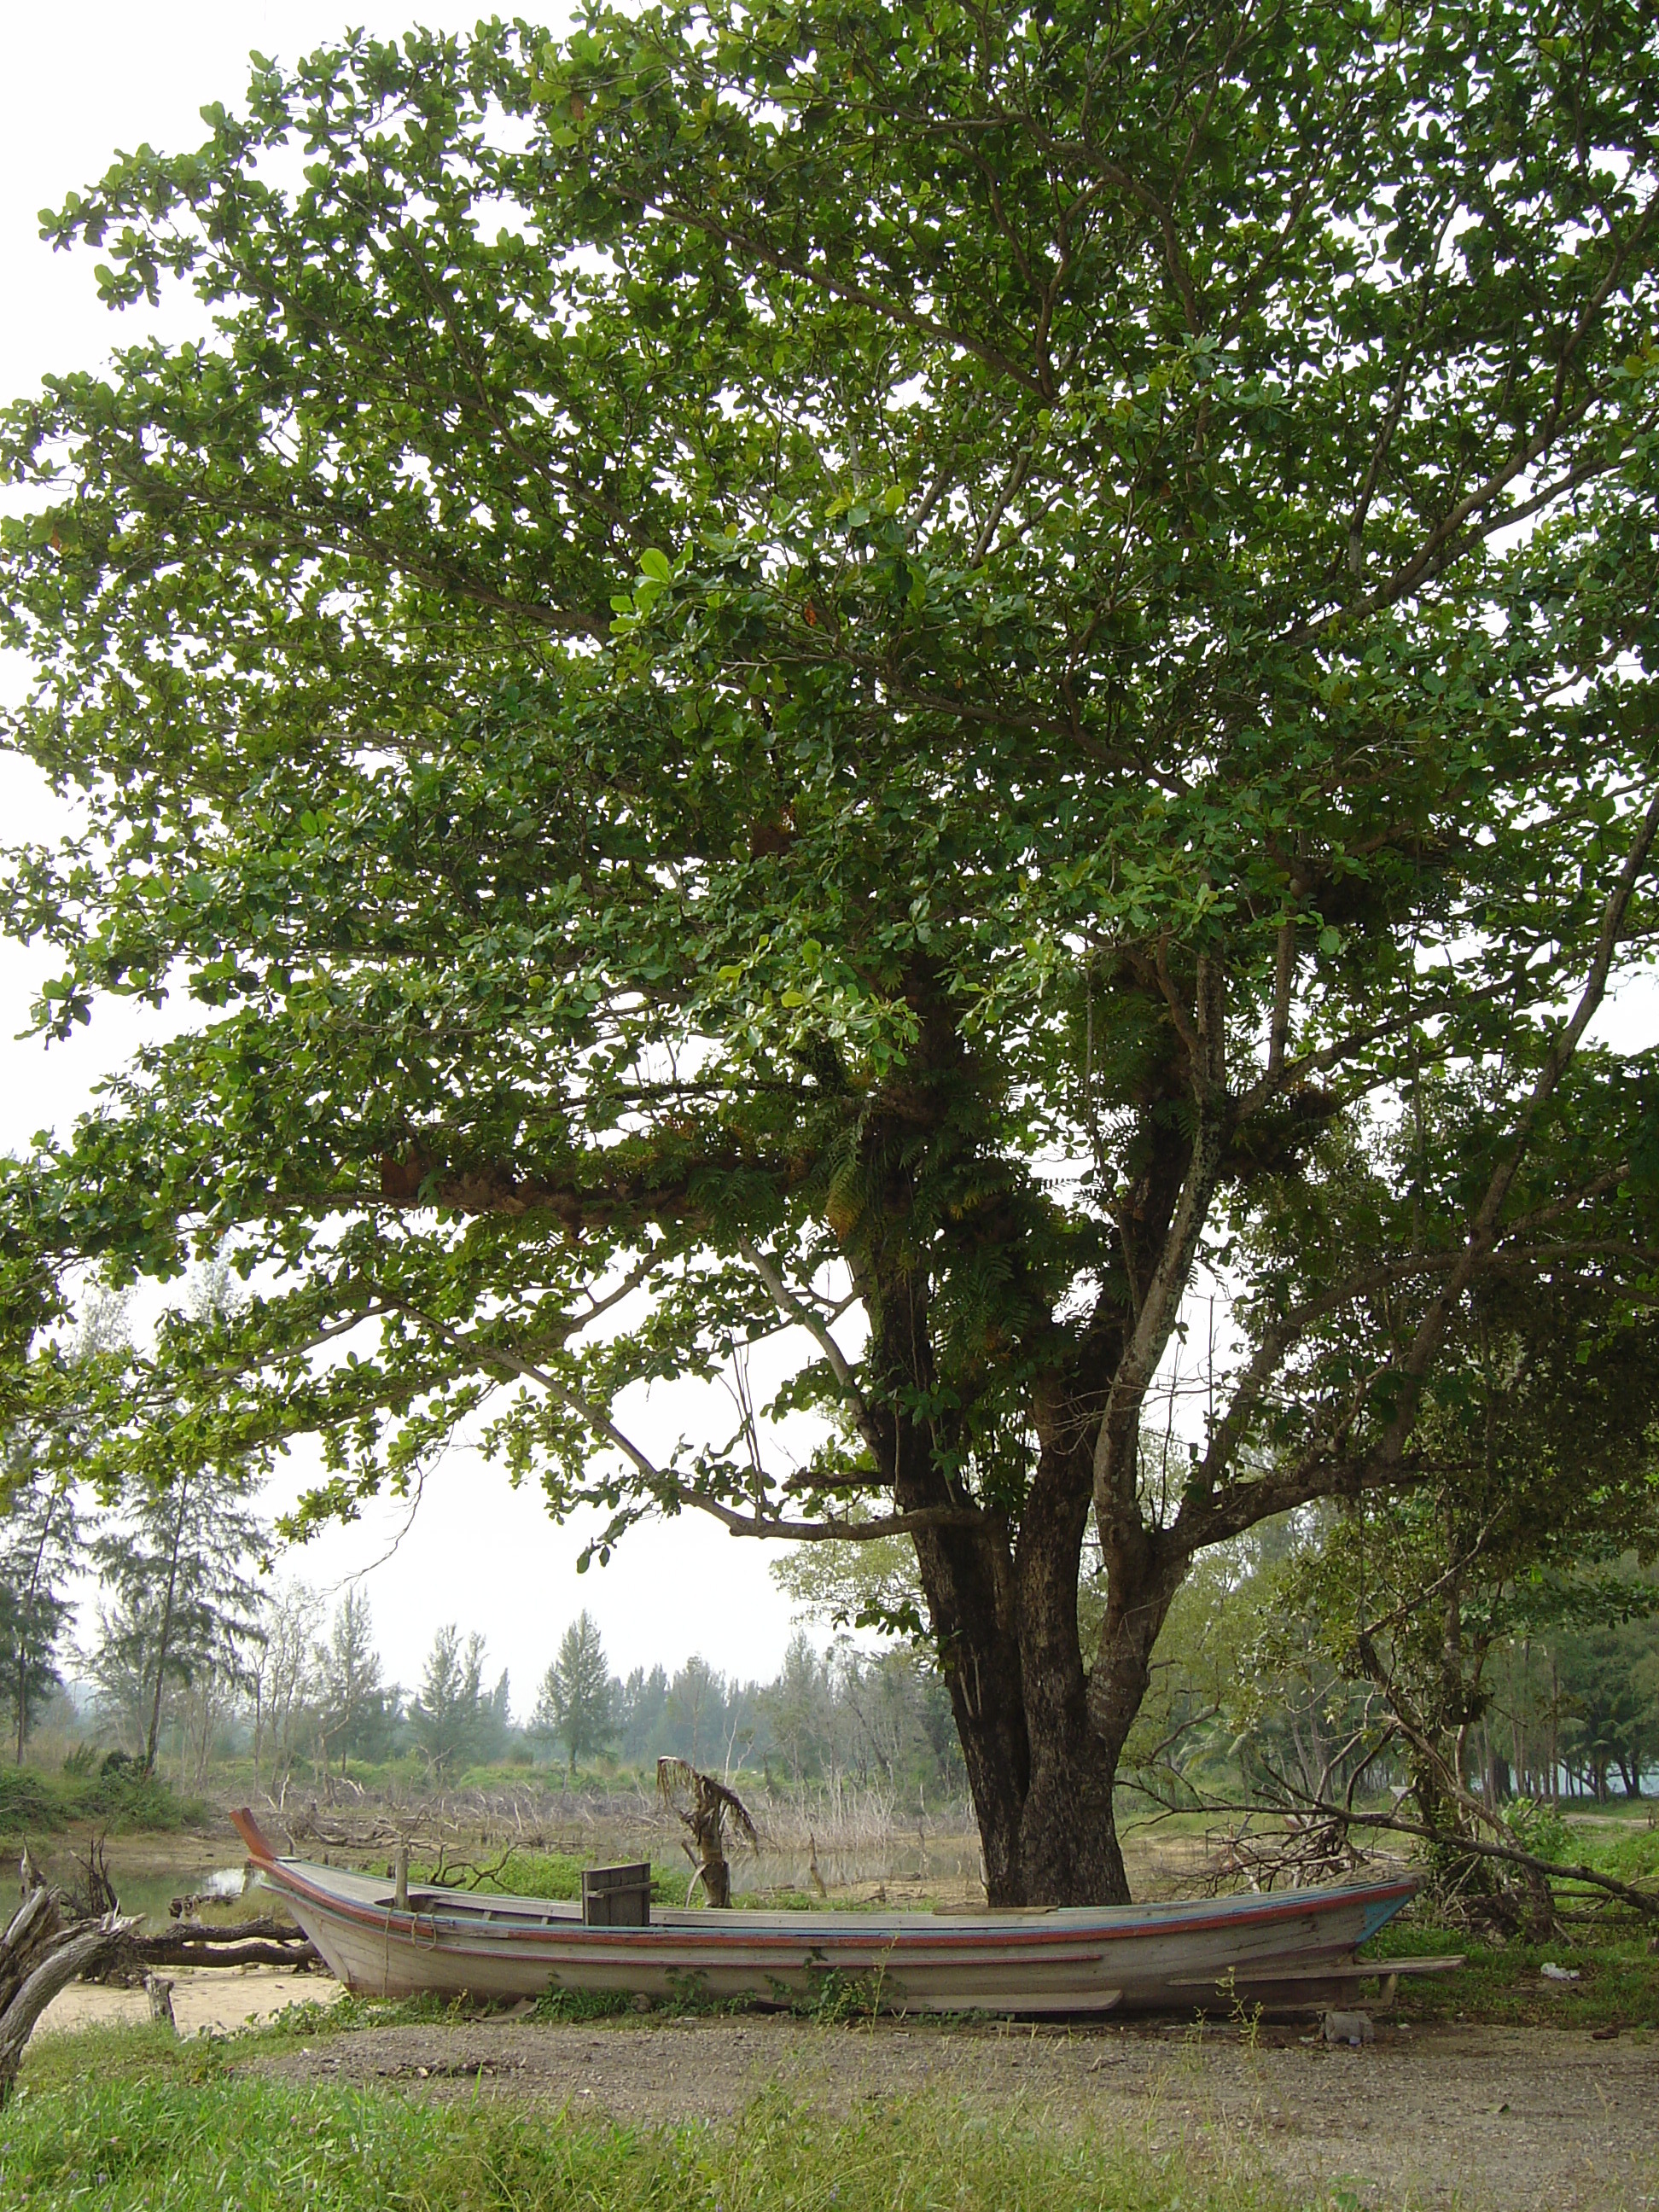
x,y
1042,1738
39,1956
1042,1734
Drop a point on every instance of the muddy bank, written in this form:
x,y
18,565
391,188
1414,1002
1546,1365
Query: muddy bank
x,y
1486,2119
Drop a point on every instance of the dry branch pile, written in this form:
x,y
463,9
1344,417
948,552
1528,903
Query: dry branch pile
x,y
1302,1854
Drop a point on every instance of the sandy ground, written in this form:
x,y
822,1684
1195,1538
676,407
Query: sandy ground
x,y
212,1998
1507,2118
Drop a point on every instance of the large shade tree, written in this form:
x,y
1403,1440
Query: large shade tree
x,y
899,658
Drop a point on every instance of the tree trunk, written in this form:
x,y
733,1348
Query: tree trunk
x,y
969,1601
1041,1737
1069,1848
39,1956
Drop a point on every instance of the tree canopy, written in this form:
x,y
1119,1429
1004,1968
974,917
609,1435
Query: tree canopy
x,y
902,672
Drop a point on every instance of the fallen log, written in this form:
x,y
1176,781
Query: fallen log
x,y
268,1926
152,1951
266,1942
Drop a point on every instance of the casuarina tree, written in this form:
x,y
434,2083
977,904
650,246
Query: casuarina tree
x,y
360,1711
894,671
181,1604
45,1528
577,1704
40,1554
455,1721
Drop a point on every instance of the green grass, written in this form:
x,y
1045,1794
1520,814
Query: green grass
x,y
1630,1854
179,2128
1500,1985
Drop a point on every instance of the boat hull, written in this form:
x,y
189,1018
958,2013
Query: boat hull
x,y
1297,1949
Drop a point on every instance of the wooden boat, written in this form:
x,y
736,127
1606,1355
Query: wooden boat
x,y
1295,1949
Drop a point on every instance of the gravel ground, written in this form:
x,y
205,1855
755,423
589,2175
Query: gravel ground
x,y
1507,2118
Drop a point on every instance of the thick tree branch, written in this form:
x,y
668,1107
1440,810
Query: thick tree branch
x,y
817,1328
1284,978
1160,1302
666,1486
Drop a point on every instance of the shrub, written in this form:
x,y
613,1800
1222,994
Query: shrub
x,y
28,1802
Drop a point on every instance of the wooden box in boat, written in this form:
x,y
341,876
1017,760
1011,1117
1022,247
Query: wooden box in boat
x,y
1296,1948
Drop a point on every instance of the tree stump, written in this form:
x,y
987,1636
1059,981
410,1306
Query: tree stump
x,y
159,1991
705,1818
39,1956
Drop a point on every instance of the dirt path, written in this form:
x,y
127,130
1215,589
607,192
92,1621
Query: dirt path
x,y
1514,2119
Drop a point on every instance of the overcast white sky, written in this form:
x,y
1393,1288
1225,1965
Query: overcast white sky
x,y
83,80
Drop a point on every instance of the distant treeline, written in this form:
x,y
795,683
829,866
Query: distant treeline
x,y
304,1695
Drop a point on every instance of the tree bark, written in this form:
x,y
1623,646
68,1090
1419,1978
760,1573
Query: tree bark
x,y
1041,1734
964,1574
1069,1851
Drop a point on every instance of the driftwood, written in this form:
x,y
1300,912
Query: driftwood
x,y
264,1942
41,1954
267,1942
